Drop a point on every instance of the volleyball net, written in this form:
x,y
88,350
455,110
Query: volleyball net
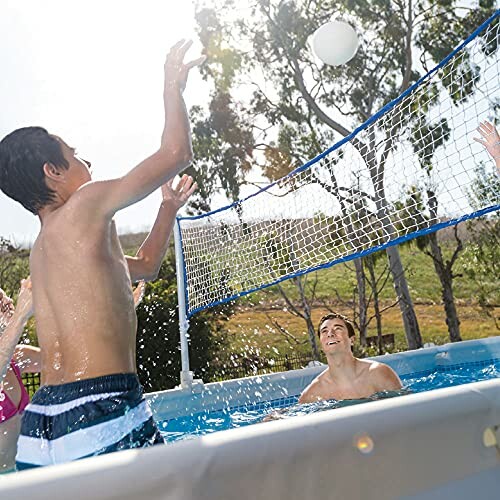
x,y
407,171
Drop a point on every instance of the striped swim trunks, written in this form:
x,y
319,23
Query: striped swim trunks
x,y
85,418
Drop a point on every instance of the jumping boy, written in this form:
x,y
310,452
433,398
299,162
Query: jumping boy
x,y
91,401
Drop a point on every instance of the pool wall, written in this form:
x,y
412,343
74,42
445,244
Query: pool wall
x,y
435,445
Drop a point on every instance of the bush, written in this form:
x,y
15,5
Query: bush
x,y
158,342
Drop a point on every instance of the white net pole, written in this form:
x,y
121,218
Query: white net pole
x,y
186,375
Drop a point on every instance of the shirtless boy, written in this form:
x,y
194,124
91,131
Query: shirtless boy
x,y
91,401
346,377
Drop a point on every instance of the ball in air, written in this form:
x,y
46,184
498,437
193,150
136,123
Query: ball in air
x,y
335,43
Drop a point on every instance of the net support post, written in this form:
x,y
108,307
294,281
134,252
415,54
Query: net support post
x,y
186,375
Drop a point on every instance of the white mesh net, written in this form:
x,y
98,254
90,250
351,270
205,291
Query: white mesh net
x,y
409,171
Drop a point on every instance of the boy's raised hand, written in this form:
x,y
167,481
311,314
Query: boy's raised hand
x,y
176,71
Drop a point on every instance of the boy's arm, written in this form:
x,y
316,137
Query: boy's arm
x,y
107,197
10,336
146,264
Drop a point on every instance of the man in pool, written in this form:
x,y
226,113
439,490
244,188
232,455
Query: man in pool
x,y
346,377
91,401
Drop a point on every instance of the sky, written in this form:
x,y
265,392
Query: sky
x,y
92,73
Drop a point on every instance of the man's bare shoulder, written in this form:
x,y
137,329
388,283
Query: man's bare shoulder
x,y
383,376
313,391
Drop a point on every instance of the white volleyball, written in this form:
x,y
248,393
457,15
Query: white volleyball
x,y
335,43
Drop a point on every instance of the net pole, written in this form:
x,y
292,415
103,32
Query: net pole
x,y
186,375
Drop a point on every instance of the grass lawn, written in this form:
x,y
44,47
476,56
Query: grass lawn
x,y
251,328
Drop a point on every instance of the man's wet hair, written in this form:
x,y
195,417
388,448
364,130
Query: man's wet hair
x,y
23,153
348,324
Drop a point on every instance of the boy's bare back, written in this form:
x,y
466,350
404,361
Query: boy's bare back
x,y
85,315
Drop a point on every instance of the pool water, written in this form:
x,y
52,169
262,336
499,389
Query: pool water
x,y
198,424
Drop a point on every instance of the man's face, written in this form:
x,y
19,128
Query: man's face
x,y
78,172
334,336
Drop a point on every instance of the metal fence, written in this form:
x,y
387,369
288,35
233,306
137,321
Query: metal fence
x,y
246,366
32,382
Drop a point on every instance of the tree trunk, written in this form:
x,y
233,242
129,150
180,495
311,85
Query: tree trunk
x,y
376,304
410,322
313,340
307,317
412,330
445,275
362,306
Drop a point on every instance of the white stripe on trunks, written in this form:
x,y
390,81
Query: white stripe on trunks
x,y
52,410
82,442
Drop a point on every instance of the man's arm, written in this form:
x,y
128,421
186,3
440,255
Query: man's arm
x,y
386,378
490,139
146,264
16,323
107,197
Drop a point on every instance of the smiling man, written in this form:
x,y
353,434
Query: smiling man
x,y
346,377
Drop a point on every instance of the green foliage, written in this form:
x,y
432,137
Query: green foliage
x,y
482,256
14,266
158,344
485,188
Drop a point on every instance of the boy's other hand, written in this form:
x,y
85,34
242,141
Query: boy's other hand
x,y
179,195
176,72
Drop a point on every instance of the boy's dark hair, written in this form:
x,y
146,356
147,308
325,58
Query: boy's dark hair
x,y
348,324
23,154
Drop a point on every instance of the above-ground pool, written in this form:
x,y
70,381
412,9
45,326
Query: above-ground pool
x,y
205,422
440,443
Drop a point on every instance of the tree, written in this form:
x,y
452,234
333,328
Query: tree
x,y
422,215
14,266
297,109
482,255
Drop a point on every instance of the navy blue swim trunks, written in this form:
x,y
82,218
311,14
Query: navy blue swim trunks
x,y
85,418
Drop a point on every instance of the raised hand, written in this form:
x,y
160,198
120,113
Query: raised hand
x,y
176,72
180,194
6,309
489,139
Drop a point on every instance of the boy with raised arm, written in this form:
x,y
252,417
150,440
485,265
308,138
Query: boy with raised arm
x,y
91,401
